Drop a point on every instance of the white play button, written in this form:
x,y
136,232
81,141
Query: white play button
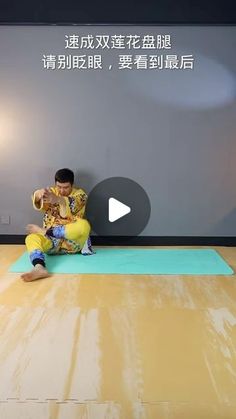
x,y
117,209
114,209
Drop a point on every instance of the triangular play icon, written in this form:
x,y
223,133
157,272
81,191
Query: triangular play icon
x,y
116,209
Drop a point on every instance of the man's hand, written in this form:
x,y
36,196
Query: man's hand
x,y
49,197
39,194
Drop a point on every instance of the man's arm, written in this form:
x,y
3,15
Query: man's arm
x,y
37,198
50,197
68,206
77,202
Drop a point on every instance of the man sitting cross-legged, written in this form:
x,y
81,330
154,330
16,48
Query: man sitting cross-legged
x,y
64,229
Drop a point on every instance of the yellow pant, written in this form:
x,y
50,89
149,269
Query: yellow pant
x,y
75,235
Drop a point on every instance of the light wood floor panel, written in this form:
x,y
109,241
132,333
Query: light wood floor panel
x,y
117,347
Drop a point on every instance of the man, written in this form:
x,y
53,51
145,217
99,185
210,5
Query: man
x,y
64,229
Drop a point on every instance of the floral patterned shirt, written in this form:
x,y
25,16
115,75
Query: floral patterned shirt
x,y
75,208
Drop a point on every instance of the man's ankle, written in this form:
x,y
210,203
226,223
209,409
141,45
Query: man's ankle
x,y
39,266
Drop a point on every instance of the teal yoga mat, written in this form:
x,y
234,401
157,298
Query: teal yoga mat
x,y
135,261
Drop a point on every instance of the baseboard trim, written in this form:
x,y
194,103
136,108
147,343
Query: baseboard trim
x,y
141,240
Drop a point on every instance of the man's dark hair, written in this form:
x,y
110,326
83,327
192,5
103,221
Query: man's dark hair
x,y
64,175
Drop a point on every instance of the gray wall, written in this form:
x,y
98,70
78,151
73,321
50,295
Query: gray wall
x,y
174,132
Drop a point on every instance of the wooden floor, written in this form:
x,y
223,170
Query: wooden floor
x,y
114,347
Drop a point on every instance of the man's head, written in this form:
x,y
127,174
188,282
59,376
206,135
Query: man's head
x,y
64,179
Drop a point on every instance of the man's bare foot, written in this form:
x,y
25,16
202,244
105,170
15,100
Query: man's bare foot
x,y
33,228
36,273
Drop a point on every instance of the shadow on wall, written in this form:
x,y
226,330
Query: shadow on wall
x,y
225,226
211,85
85,180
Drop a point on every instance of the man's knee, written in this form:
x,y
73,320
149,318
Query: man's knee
x,y
80,224
84,227
78,229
